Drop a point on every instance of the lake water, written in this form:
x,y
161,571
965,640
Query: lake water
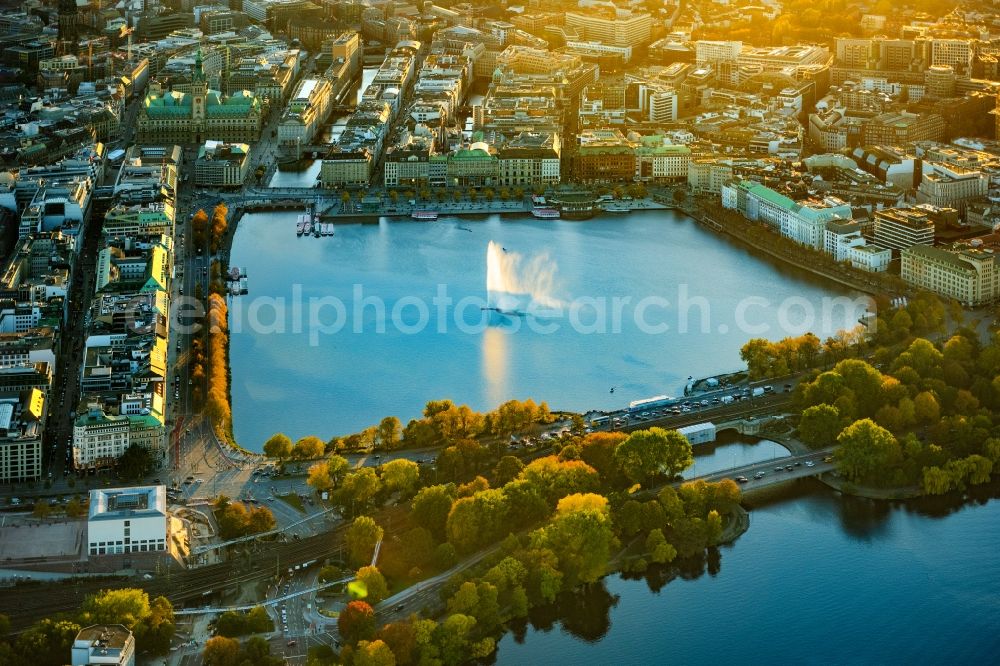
x,y
818,579
646,271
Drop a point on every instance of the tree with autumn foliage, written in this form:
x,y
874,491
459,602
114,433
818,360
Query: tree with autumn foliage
x,y
356,622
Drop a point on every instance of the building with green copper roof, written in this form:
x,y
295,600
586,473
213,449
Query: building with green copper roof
x,y
198,114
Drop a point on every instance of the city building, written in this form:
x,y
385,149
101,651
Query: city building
x,y
140,219
307,110
222,164
708,175
128,520
901,128
902,228
803,221
839,237
659,160
99,439
949,185
474,166
103,645
969,275
890,165
408,163
22,416
709,52
530,159
347,168
871,258
618,27
603,156
169,116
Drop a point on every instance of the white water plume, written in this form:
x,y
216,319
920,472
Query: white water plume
x,y
514,282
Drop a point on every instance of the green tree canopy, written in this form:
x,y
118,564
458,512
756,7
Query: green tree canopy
x,y
866,451
361,538
278,446
401,476
582,540
431,507
647,453
820,425
478,520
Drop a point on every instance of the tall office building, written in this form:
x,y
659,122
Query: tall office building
x,y
67,27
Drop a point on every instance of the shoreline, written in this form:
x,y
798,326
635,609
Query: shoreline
x,y
704,219
401,214
868,492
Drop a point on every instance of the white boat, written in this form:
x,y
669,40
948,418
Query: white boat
x,y
424,215
307,229
329,228
617,208
299,228
545,213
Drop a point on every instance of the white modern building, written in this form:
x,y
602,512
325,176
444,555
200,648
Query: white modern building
x,y
699,433
871,258
100,644
839,237
128,520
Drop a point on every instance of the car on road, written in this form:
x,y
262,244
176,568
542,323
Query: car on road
x,y
742,479
759,475
788,468
400,607
291,643
810,463
828,459
779,469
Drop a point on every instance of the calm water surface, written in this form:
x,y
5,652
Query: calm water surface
x,y
375,366
818,579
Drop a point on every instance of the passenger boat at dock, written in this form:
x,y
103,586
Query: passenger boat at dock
x,y
545,213
424,215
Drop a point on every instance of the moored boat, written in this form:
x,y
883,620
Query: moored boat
x,y
545,213
424,215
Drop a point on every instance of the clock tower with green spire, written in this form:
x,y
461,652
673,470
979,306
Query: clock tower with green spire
x,y
199,95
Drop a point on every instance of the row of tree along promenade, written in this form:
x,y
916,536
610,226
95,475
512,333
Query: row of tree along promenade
x,y
758,236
